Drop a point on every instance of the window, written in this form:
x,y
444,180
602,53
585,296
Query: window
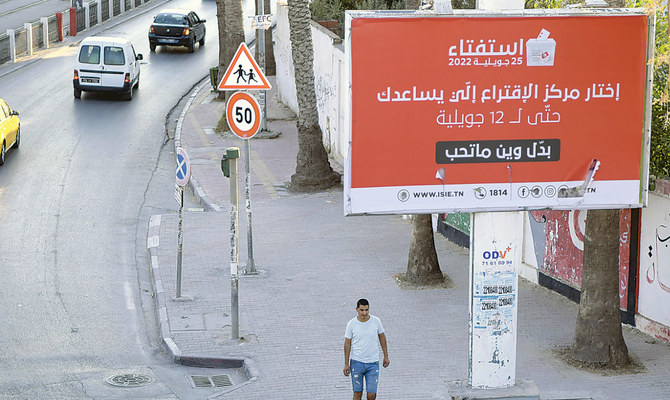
x,y
89,54
4,110
171,19
114,56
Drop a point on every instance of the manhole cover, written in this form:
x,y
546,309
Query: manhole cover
x,y
214,381
129,380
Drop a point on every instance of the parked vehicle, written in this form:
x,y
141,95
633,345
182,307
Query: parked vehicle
x,y
173,27
10,129
106,64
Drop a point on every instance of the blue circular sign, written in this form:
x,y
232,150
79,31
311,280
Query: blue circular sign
x,y
183,167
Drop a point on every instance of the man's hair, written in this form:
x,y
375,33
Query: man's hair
x,y
362,302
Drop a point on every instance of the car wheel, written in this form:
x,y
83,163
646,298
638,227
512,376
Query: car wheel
x,y
152,47
77,94
202,41
129,94
3,151
17,141
137,82
191,46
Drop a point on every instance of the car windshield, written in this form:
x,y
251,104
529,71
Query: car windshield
x,y
172,19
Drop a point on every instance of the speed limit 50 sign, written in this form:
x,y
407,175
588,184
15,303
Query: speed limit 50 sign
x,y
243,114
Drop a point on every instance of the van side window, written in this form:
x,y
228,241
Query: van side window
x,y
114,56
89,54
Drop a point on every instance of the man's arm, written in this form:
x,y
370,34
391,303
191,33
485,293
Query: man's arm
x,y
347,350
382,341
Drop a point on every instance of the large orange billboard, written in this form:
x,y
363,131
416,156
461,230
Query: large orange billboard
x,y
474,112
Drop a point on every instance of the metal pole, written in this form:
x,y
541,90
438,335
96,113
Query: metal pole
x,y
251,266
232,154
260,46
180,240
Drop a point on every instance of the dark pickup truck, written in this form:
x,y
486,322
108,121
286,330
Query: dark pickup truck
x,y
177,28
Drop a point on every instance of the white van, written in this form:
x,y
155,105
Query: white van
x,y
106,64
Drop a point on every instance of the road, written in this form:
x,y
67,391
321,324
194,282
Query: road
x,y
75,201
14,13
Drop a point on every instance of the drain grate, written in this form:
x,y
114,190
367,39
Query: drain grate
x,y
214,381
129,380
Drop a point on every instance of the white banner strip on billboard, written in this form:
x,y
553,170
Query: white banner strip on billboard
x,y
490,197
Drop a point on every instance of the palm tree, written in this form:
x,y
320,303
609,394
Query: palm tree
x,y
313,171
231,33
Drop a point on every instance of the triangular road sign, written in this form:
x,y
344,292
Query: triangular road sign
x,y
243,73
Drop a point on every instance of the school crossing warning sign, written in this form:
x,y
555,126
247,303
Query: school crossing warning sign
x,y
243,73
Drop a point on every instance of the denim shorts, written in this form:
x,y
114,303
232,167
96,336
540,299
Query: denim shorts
x,y
369,371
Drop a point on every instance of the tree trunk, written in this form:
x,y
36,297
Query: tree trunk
x,y
313,171
422,265
598,337
231,33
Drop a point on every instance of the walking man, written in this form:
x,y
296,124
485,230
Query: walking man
x,y
362,337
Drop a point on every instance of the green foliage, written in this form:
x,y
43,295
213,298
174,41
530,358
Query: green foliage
x,y
326,10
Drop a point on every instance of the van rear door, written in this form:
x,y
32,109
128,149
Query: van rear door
x,y
114,66
90,68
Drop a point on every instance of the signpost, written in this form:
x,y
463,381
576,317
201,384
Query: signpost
x,y
243,116
183,175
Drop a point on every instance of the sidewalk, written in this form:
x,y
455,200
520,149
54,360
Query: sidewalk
x,y
314,264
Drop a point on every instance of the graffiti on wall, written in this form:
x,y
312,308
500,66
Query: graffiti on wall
x,y
654,272
558,238
658,270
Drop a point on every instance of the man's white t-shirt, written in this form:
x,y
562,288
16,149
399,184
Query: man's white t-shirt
x,y
364,339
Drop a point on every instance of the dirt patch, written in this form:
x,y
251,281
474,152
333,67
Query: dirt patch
x,y
635,367
445,283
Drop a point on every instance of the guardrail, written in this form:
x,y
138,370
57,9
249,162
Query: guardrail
x,y
40,34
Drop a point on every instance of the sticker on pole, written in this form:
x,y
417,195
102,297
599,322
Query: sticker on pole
x,y
183,168
243,114
244,73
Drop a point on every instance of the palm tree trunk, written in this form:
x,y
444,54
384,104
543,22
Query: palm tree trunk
x,y
231,33
313,171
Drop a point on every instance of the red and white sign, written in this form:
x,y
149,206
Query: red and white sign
x,y
243,114
243,73
488,113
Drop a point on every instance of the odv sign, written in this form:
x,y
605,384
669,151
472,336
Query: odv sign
x,y
243,114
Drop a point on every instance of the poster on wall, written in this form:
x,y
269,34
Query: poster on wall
x,y
475,112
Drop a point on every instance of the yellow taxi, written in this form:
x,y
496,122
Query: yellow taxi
x,y
10,129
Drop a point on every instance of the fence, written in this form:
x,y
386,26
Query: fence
x,y
24,40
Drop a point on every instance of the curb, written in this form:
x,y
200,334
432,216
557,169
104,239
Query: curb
x,y
193,183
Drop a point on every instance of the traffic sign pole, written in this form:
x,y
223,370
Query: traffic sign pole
x,y
180,240
260,47
243,116
183,175
251,265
